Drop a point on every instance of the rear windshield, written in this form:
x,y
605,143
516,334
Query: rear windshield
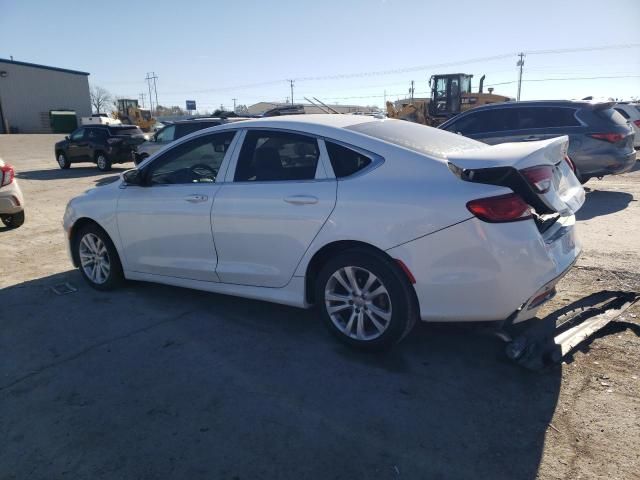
x,y
133,130
416,137
611,115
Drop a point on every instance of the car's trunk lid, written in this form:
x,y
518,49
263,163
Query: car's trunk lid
x,y
518,165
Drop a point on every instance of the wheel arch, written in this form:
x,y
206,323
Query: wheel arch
x,y
73,232
320,257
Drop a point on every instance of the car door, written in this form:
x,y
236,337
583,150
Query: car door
x,y
77,148
165,224
96,139
276,199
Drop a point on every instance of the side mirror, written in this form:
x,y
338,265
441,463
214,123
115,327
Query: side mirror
x,y
132,177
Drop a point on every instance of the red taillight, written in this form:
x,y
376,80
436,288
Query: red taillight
x,y
6,175
570,162
539,177
637,123
608,137
503,208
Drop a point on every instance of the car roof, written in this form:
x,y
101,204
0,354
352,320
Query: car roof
x,y
539,103
335,120
104,125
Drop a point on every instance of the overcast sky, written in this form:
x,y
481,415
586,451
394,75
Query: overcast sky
x,y
214,51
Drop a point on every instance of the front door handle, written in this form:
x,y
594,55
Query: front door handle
x,y
196,198
301,199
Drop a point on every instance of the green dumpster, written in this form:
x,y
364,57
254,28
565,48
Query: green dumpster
x,y
63,121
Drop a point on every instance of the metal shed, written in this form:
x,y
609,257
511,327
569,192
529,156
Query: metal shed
x,y
30,92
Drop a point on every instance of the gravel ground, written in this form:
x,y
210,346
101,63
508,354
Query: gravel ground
x,y
158,382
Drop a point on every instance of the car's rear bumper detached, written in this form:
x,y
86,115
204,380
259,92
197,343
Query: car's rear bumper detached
x,y
477,271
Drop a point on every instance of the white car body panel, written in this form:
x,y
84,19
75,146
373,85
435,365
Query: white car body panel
x,y
410,206
11,198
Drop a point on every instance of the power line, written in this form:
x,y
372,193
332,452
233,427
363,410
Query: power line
x,y
412,68
564,79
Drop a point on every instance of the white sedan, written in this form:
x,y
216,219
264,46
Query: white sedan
x,y
378,223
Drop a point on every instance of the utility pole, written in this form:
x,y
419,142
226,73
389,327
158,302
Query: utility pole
x,y
234,104
291,83
141,96
148,79
155,89
385,98
520,64
411,90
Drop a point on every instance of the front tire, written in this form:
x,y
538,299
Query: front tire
x,y
14,220
63,161
103,163
98,259
365,300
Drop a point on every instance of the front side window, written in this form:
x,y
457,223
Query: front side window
x,y
268,156
345,161
166,134
195,161
77,135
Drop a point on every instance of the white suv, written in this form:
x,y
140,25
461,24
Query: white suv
x,y
631,112
11,199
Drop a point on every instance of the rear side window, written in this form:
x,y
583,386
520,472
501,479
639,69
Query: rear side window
x,y
125,131
96,134
545,117
611,115
277,156
345,161
622,112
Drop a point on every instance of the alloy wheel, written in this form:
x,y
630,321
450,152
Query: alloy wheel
x,y
358,303
94,258
102,162
62,161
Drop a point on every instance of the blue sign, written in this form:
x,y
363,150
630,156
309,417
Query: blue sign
x,y
191,104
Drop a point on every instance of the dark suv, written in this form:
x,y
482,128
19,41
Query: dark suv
x,y
103,145
177,130
600,139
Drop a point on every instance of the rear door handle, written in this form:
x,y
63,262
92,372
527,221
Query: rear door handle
x,y
196,198
301,199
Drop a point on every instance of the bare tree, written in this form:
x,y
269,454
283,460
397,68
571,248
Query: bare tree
x,y
100,98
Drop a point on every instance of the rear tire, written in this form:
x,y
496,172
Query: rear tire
x,y
97,258
63,161
14,220
365,300
103,163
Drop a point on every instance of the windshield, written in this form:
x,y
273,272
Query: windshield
x,y
419,138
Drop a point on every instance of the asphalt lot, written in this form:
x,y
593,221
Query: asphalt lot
x,y
155,382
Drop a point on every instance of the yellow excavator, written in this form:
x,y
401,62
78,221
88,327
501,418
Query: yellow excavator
x,y
450,95
129,112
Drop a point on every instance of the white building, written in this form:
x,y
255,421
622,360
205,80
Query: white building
x,y
30,92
